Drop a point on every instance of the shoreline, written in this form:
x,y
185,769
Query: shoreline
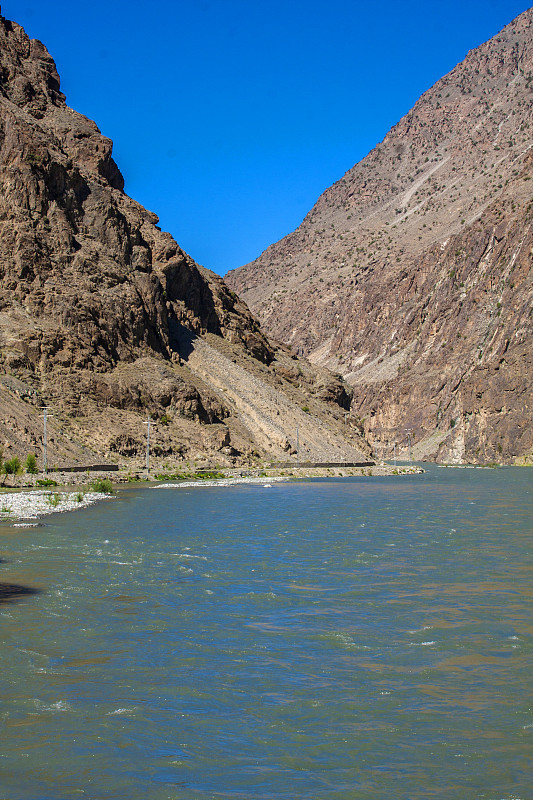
x,y
23,506
50,481
265,476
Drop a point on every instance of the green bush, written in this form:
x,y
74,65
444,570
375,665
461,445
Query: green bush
x,y
46,482
54,499
209,475
101,485
31,464
199,475
12,466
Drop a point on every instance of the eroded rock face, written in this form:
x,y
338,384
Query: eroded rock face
x,y
101,311
88,269
412,275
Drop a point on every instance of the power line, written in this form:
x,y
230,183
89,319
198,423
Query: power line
x,y
149,423
44,409
408,432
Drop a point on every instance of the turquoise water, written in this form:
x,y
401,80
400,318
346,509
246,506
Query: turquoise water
x,y
334,639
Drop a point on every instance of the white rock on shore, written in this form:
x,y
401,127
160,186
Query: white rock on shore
x,y
31,505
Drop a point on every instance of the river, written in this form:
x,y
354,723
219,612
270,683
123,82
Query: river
x,y
339,639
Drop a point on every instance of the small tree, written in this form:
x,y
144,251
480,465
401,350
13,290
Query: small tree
x,y
12,466
101,485
31,464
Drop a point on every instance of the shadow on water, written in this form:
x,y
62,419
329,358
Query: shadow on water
x,y
11,592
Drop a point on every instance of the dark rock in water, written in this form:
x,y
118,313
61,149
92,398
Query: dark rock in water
x,y
10,592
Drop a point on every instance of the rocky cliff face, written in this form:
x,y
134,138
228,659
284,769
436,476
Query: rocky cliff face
x,y
412,274
101,313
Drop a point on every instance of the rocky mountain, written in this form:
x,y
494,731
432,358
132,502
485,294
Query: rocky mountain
x,y
412,274
105,319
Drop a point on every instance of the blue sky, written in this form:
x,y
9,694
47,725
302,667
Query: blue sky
x,y
230,118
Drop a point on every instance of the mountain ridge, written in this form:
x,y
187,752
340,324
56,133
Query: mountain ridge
x,y
101,312
418,260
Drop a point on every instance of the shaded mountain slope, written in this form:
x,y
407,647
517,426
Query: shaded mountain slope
x,y
101,312
412,274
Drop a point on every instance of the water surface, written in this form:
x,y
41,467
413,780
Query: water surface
x,y
334,639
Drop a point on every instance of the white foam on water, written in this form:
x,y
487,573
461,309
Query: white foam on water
x,y
26,525
121,711
188,555
60,705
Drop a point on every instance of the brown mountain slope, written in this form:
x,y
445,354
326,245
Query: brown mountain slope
x,y
106,319
412,274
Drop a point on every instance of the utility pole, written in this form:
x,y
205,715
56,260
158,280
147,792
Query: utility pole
x,y
408,431
44,409
148,423
394,453
297,447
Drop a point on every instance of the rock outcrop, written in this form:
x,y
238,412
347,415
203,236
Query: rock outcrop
x,y
102,313
412,274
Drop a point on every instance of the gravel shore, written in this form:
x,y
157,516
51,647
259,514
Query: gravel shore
x,y
30,506
219,482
